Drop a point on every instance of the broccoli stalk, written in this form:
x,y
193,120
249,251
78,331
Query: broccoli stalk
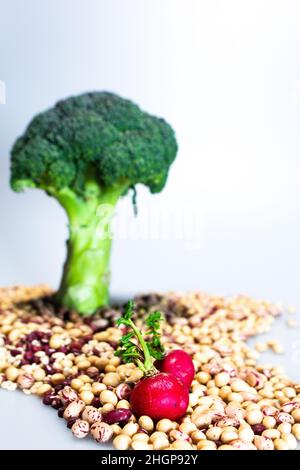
x,y
87,152
85,279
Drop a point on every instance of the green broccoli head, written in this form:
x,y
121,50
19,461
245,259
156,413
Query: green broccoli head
x,y
87,152
98,133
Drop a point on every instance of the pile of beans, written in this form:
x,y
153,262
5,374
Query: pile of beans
x,y
235,403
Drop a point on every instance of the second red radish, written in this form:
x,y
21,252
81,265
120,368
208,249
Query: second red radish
x,y
178,363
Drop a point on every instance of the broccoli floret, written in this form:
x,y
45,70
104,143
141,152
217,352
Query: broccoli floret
x,y
87,152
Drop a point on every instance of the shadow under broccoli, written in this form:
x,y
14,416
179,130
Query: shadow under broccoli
x,y
87,152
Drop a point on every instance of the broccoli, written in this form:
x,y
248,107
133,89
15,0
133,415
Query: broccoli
x,y
88,151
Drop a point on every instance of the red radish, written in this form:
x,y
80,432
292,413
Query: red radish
x,y
160,396
178,363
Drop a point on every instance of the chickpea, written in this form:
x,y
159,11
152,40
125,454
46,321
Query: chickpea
x,y
97,387
206,401
296,415
115,361
43,389
116,429
84,364
197,436
12,373
187,427
85,386
289,392
285,428
122,442
164,425
14,335
213,391
86,379
280,444
101,336
271,433
203,377
39,374
56,341
181,445
66,363
201,419
238,385
111,379
145,422
228,436
222,379
75,332
86,396
193,399
296,431
269,422
254,417
140,436
123,404
79,358
246,434
130,429
101,363
57,378
140,445
107,407
214,433
236,397
156,435
224,392
206,445
135,375
160,443
290,440
107,396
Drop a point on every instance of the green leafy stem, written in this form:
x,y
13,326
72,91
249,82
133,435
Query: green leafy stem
x,y
138,347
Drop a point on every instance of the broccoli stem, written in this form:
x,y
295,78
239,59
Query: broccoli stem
x,y
85,281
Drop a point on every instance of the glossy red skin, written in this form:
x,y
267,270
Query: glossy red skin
x,y
178,363
160,396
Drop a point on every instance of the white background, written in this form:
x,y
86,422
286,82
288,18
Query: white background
x,y
226,75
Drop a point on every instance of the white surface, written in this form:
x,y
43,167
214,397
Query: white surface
x,y
227,77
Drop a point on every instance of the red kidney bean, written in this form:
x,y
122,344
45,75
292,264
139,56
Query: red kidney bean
x,y
56,403
60,412
47,400
15,352
121,415
96,402
70,422
258,429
